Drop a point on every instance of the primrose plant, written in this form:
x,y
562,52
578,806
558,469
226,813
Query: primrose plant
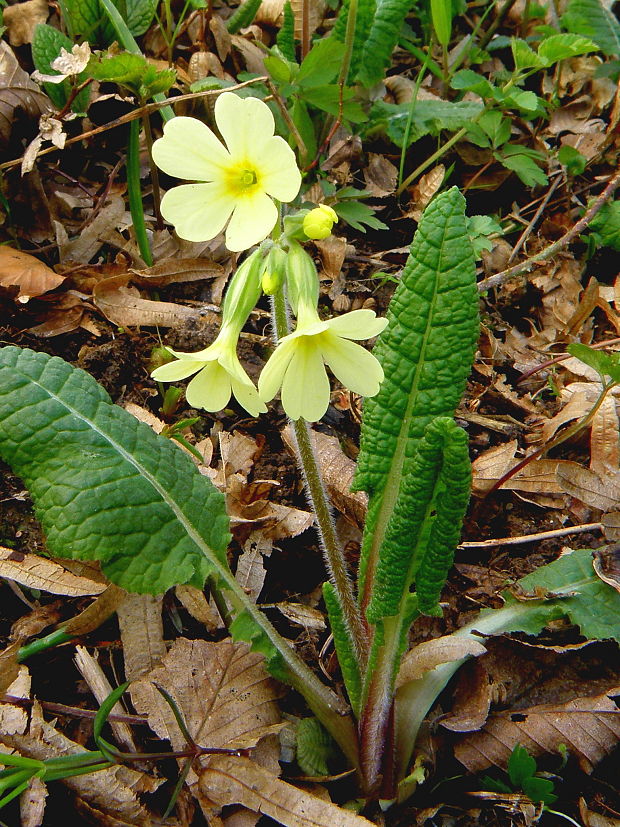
x,y
84,458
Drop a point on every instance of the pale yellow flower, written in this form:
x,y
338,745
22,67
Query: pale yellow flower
x,y
318,222
297,364
240,179
219,375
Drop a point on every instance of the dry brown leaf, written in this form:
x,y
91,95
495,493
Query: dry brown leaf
x,y
424,190
9,668
253,56
177,270
611,525
51,576
32,803
426,656
234,779
250,572
199,607
381,176
588,487
592,819
22,19
302,615
590,728
337,470
606,563
142,633
604,439
239,452
100,686
17,92
13,719
472,699
224,695
578,405
31,276
113,792
103,226
123,306
540,476
97,613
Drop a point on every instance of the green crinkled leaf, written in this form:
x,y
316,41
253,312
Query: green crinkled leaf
x,y
140,14
382,38
105,487
606,225
286,36
86,19
132,71
429,118
347,660
315,747
425,526
365,15
591,18
243,16
427,347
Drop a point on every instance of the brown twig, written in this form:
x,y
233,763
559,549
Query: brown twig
x,y
145,110
533,538
560,244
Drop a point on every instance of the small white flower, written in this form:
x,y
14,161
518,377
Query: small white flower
x,y
240,179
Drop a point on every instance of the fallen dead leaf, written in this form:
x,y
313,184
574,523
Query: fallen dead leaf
x,y
250,572
17,91
112,792
32,803
90,240
36,572
22,19
142,633
13,719
472,699
598,492
235,779
381,176
592,819
226,698
177,270
540,476
424,190
97,613
9,668
606,563
589,727
199,607
302,615
604,439
426,656
123,306
31,276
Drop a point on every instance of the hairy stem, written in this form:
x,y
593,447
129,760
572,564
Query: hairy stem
x,y
334,556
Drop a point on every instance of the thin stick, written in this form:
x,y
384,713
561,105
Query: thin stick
x,y
145,110
533,538
560,244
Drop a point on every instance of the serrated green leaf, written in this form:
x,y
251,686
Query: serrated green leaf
x,y
521,765
527,101
314,747
426,352
382,37
133,71
539,790
358,215
365,14
429,117
591,18
520,162
575,164
327,98
104,486
243,16
320,66
46,45
606,225
469,80
524,56
607,364
563,46
495,126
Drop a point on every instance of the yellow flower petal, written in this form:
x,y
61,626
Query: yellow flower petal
x,y
272,375
211,389
358,324
198,211
280,176
247,396
190,150
245,123
352,365
173,371
254,217
305,389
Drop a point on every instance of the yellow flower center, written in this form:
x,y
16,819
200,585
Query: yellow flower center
x,y
241,179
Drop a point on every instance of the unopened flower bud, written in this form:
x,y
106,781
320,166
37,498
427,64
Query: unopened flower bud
x,y
274,271
318,223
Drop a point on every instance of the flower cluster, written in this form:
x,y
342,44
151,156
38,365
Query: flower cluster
x,y
239,181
